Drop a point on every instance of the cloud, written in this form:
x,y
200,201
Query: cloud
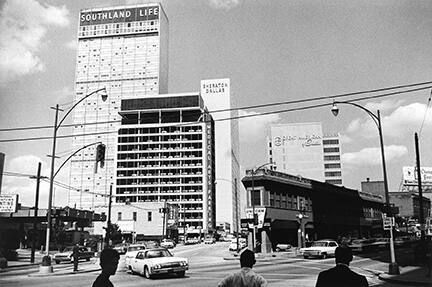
x,y
385,105
253,128
65,95
72,44
372,156
224,4
23,25
404,119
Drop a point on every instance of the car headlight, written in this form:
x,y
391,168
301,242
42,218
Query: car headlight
x,y
183,263
157,266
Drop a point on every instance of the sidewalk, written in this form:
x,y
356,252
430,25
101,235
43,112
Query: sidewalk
x,y
82,268
412,275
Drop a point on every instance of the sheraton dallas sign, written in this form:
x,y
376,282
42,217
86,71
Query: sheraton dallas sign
x,y
119,15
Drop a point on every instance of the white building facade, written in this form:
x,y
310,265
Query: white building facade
x,y
166,154
124,50
302,149
217,96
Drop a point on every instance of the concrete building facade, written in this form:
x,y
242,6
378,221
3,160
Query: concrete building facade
x,y
123,49
217,97
304,150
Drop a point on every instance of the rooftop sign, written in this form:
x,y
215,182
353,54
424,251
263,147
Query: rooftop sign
x,y
119,15
9,203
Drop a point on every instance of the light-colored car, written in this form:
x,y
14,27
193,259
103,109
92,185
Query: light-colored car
x,y
192,240
361,245
66,255
132,251
283,247
233,245
167,243
209,240
157,261
320,248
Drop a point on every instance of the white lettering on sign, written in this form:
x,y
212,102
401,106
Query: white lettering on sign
x,y
8,203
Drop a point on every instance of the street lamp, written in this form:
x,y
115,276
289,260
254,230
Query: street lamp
x,y
393,267
253,171
53,156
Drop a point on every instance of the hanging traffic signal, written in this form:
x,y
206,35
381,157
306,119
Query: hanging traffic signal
x,y
100,155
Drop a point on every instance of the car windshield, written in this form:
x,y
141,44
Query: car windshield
x,y
319,244
158,253
358,241
135,248
68,249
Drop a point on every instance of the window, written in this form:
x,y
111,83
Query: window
x,y
149,216
331,157
334,181
328,142
119,216
332,165
331,149
134,216
256,197
332,173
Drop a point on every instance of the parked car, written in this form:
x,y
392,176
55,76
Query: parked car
x,y
283,247
132,251
121,248
168,243
192,240
209,240
3,260
320,248
66,255
362,245
157,261
233,245
381,243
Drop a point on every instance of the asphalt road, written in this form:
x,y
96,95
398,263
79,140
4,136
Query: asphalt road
x,y
207,268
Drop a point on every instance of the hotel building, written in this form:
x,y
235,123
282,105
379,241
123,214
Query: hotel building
x,y
166,153
217,97
123,49
302,149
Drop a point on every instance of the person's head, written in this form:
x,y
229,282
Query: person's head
x,y
109,259
247,258
343,254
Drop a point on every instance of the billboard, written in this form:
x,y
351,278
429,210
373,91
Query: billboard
x,y
119,15
410,175
9,203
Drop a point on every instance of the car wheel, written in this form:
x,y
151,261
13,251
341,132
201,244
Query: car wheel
x,y
278,249
181,273
57,261
305,257
147,273
87,259
131,270
324,256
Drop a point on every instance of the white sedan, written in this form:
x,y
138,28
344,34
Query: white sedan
x,y
158,261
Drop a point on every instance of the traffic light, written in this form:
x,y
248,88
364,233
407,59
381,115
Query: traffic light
x,y
100,154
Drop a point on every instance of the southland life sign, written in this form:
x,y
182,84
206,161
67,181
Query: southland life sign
x,y
119,15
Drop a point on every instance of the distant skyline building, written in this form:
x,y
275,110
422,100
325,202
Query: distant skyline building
x,y
217,96
125,50
166,153
303,149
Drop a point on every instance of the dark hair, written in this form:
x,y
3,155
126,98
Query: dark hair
x,y
247,258
109,255
343,254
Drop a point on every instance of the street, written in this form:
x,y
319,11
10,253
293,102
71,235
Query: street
x,y
207,268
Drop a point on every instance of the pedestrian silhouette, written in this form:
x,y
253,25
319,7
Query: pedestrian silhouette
x,y
245,277
341,275
109,259
75,256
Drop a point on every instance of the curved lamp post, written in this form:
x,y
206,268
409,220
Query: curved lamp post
x,y
393,267
53,156
253,171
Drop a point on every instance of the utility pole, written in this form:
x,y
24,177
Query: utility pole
x,y
421,215
164,210
108,228
237,213
33,248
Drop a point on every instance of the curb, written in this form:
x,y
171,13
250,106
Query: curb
x,y
61,273
14,267
400,280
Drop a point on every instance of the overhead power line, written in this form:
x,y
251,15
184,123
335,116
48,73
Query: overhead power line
x,y
241,117
249,107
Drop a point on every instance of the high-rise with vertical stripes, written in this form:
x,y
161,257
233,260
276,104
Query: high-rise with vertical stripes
x,y
124,50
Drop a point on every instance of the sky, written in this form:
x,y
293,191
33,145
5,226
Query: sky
x,y
272,51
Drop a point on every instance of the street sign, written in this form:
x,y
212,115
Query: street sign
x,y
9,203
388,223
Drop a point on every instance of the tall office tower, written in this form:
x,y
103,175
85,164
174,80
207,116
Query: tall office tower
x,y
216,94
302,149
166,152
125,50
